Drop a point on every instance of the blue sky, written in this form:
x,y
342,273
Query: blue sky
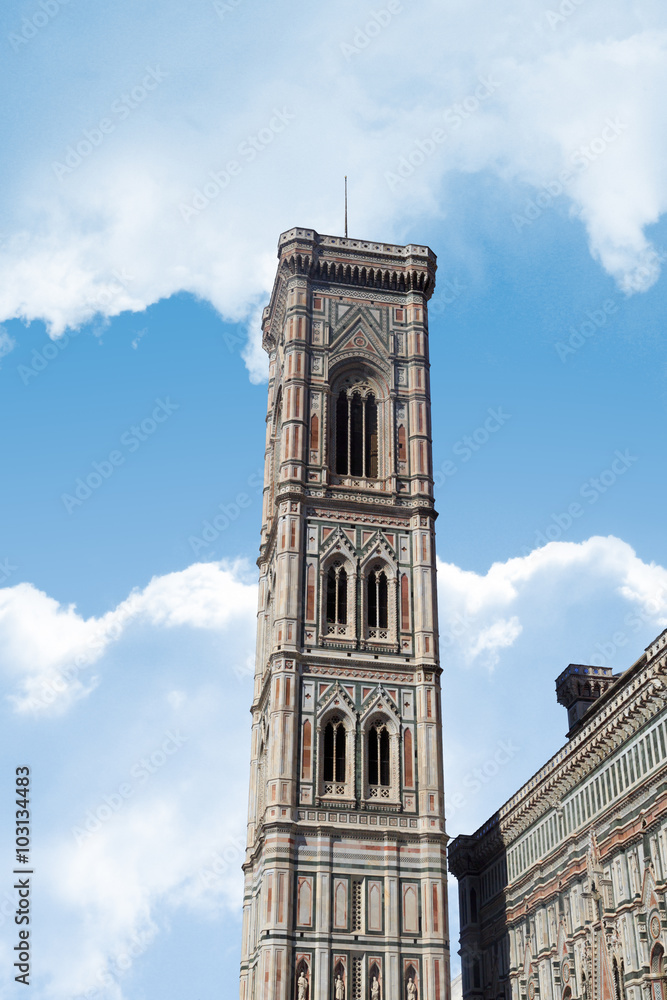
x,y
526,147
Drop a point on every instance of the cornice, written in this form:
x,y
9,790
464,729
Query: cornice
x,y
343,263
638,696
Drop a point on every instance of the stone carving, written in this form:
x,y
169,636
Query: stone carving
x,y
411,990
375,989
340,988
302,987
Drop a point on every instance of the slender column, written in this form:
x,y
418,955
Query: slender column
x,y
348,397
363,439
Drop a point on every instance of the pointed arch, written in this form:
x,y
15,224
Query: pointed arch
x,y
402,446
405,603
310,593
336,729
314,432
408,759
304,904
410,976
657,972
307,751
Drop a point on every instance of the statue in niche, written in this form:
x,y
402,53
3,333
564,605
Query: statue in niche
x,y
412,989
339,988
302,986
375,989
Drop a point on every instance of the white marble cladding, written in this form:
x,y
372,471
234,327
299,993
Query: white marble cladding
x,y
641,756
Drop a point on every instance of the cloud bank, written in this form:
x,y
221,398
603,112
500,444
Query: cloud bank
x,y
50,664
200,140
149,762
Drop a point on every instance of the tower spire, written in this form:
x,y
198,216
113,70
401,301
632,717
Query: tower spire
x,y
345,206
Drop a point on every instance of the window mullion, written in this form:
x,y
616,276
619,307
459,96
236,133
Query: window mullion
x,y
363,439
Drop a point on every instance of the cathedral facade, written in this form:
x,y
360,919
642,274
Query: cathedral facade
x,y
345,873
562,892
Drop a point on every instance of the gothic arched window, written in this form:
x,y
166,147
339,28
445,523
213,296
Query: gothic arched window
x,y
356,434
657,972
334,751
378,616
337,596
618,992
378,755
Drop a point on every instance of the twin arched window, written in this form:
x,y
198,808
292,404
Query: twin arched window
x,y
356,434
377,747
336,597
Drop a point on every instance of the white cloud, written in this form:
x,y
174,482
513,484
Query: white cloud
x,y
122,870
111,235
474,607
7,343
48,665
500,635
118,868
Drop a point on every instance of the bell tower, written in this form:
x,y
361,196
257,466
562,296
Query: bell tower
x,y
345,873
